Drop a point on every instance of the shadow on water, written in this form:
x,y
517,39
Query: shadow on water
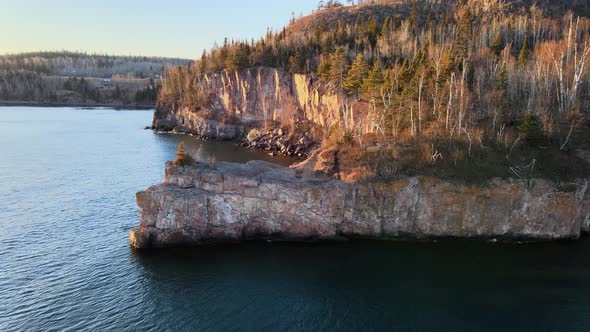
x,y
215,151
407,285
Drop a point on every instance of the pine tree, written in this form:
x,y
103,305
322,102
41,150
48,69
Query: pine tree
x,y
375,80
235,59
464,33
523,56
324,68
413,19
502,80
297,63
372,31
532,129
447,65
470,76
202,67
502,88
356,75
182,158
497,45
338,66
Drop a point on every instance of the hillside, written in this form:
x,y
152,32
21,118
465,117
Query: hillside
x,y
381,9
475,90
79,78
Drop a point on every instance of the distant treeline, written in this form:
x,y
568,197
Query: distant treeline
x,y
88,65
79,78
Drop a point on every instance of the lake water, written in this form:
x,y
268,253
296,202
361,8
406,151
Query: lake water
x,y
67,183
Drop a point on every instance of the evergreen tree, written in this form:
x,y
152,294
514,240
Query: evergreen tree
x,y
182,159
202,67
372,31
375,80
356,75
533,131
238,57
497,45
224,52
523,55
297,63
502,80
324,69
470,76
464,34
338,66
413,20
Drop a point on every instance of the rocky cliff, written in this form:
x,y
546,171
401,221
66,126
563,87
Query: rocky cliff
x,y
224,202
255,96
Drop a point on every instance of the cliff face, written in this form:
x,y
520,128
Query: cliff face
x,y
232,202
257,95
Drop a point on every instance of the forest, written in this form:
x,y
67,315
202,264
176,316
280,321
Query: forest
x,y
467,80
80,78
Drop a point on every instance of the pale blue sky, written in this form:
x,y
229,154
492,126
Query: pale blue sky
x,y
175,28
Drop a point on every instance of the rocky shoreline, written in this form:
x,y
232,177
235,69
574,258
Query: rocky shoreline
x,y
278,140
226,202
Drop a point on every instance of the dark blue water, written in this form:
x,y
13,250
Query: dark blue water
x,y
67,184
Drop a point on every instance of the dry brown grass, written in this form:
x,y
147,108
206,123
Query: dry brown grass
x,y
453,160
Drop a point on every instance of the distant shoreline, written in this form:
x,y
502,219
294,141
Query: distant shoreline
x,y
90,105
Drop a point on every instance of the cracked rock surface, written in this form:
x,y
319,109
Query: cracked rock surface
x,y
227,202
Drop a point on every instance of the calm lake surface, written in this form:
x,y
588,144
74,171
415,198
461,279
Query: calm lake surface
x,y
67,183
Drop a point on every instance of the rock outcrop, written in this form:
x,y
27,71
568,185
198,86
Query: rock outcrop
x,y
205,203
255,96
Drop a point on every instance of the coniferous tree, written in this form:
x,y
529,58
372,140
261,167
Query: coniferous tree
x,y
502,87
338,66
202,67
375,80
413,20
502,81
356,75
497,45
182,159
470,76
324,69
464,35
533,131
297,63
523,55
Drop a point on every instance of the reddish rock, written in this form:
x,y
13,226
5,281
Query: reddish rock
x,y
225,202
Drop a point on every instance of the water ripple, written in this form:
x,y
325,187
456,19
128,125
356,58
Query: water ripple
x,y
67,188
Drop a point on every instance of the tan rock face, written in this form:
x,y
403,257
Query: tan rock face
x,y
233,202
258,95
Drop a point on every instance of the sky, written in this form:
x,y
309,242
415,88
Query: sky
x,y
171,28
